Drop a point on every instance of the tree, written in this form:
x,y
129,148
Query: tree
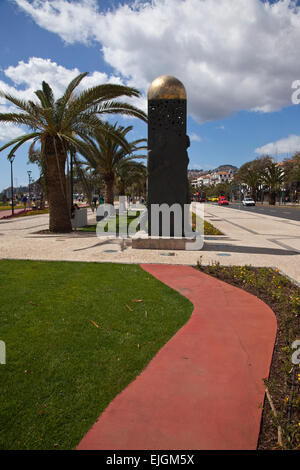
x,y
250,173
59,124
105,155
291,168
131,175
273,177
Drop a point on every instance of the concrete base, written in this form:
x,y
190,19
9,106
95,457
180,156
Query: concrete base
x,y
143,241
159,243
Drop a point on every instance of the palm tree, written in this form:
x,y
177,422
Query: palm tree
x,y
105,155
59,124
273,177
253,180
291,169
251,172
131,175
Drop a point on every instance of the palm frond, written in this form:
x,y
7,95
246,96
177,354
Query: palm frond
x,y
101,93
48,93
18,141
61,103
22,104
42,98
72,85
20,118
34,155
117,107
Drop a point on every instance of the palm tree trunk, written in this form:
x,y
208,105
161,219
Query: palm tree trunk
x,y
60,217
109,189
42,200
122,189
272,198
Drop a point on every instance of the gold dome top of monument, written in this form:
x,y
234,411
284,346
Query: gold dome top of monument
x,y
166,87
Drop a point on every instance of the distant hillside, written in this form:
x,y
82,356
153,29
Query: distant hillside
x,y
227,168
193,174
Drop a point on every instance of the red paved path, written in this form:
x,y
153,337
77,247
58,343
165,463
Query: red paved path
x,y
8,212
203,388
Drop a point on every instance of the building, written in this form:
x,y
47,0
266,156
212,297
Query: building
x,y
218,177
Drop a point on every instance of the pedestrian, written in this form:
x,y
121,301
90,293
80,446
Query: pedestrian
x,y
95,199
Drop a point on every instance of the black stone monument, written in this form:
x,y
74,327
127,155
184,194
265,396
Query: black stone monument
x,y
167,151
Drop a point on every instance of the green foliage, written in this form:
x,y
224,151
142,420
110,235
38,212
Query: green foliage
x,y
251,174
131,176
3,198
272,177
105,156
209,229
291,168
63,124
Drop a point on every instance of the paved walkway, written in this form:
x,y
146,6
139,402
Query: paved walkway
x,y
204,388
256,239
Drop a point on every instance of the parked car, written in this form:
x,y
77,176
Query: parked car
x,y
198,197
222,201
248,201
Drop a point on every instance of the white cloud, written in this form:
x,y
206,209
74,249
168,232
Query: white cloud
x,y
73,21
9,132
290,144
231,55
29,76
195,137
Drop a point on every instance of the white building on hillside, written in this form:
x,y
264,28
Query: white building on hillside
x,y
210,179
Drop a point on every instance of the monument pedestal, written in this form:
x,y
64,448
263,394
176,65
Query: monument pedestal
x,y
142,241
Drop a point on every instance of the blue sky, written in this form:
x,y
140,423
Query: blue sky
x,y
237,59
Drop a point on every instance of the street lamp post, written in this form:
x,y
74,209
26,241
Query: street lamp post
x,y
71,177
12,184
29,181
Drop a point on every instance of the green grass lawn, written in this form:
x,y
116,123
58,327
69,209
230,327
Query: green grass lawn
x,y
209,229
33,212
8,207
75,337
121,222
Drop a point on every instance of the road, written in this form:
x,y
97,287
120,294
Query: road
x,y
285,212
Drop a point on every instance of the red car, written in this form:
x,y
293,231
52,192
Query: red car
x,y
223,201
